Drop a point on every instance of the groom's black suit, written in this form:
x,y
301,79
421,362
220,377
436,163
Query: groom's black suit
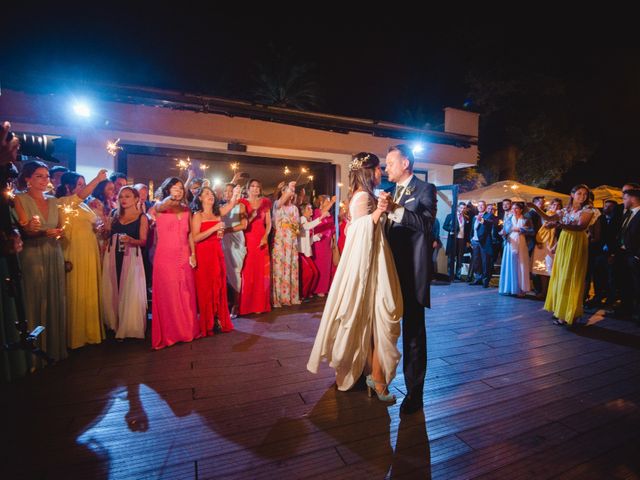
x,y
412,246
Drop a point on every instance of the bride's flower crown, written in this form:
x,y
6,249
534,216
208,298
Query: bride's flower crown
x,y
356,164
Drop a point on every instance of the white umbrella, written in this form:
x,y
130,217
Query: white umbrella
x,y
515,191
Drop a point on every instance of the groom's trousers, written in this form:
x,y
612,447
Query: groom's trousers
x,y
414,344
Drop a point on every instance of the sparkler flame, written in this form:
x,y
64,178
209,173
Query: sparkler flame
x,y
10,192
113,148
183,164
68,211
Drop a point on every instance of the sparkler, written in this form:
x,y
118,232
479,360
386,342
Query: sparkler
x,y
113,148
303,170
286,171
183,164
10,193
234,166
204,167
68,211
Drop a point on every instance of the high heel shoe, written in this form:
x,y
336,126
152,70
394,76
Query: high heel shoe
x,y
371,389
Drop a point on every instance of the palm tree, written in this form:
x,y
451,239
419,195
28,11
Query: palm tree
x,y
284,81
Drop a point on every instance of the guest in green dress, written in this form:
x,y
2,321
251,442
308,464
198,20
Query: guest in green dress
x,y
42,262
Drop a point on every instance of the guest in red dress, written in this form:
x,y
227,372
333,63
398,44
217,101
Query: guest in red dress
x,y
322,249
207,229
255,296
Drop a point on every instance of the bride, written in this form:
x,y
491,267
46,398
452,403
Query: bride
x,y
361,320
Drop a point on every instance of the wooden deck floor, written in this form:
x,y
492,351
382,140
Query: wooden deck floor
x,y
508,395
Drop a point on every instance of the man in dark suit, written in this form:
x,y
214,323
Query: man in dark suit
x,y
628,256
482,226
410,217
498,243
459,228
604,248
536,222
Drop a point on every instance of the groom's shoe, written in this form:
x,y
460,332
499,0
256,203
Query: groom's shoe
x,y
411,405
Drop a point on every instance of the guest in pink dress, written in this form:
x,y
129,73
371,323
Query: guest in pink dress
x,y
342,226
322,248
174,292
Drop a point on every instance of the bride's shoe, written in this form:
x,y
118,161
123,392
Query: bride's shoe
x,y
371,389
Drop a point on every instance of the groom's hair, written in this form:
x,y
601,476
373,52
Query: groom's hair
x,y
406,151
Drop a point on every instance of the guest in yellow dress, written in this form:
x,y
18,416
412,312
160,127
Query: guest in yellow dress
x,y
566,287
545,249
82,259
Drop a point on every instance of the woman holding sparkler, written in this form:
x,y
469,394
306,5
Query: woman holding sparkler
x,y
41,259
208,228
82,259
284,278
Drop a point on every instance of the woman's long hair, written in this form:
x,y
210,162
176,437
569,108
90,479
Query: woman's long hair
x,y
362,171
68,182
196,204
573,191
98,192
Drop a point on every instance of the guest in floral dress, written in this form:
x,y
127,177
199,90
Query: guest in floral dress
x,y
284,281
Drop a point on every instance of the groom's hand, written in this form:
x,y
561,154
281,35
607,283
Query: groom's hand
x,y
384,202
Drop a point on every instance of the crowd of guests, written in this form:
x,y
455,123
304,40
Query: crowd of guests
x,y
96,253
561,254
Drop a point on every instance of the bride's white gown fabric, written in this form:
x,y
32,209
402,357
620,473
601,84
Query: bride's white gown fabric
x,y
364,301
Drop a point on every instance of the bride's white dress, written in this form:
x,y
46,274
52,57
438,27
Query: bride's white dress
x,y
364,301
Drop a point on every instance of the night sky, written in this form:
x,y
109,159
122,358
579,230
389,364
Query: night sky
x,y
373,68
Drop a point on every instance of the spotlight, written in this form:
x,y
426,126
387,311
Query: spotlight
x,y
217,181
418,148
82,110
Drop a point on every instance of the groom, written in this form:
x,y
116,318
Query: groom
x,y
411,212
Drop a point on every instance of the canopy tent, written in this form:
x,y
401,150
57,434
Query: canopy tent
x,y
605,192
496,192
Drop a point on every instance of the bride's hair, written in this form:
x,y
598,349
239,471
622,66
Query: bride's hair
x,y
362,171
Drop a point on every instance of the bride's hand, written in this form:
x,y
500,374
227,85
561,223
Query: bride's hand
x,y
383,202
